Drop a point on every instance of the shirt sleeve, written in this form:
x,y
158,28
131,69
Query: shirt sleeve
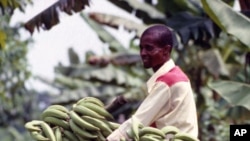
x,y
147,111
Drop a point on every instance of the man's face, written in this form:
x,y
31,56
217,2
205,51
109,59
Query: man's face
x,y
152,55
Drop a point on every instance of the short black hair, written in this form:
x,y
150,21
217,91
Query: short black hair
x,y
165,35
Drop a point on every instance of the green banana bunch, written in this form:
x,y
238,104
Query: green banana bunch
x,y
184,137
86,120
94,107
45,132
151,134
90,115
138,132
56,115
169,131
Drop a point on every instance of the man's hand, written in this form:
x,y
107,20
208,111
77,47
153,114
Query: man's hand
x,y
116,104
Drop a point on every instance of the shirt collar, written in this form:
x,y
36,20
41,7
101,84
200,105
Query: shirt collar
x,y
166,67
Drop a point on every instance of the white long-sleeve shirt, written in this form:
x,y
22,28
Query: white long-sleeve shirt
x,y
170,101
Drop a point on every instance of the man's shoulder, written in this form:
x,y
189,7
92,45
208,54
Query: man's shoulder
x,y
172,77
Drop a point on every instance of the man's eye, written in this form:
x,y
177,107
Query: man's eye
x,y
149,48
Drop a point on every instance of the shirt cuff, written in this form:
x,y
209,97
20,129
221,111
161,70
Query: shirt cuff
x,y
120,132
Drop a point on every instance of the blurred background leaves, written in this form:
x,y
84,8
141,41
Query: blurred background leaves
x,y
209,49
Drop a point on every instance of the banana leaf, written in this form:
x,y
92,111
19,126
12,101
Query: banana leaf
x,y
109,74
117,59
230,21
105,36
103,92
175,6
146,12
78,69
72,83
115,21
73,56
214,63
191,27
235,93
50,16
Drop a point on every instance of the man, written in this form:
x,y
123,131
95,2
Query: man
x,y
170,99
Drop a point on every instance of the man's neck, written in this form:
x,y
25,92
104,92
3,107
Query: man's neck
x,y
159,66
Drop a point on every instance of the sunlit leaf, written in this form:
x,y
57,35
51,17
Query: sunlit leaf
x,y
115,21
2,39
237,94
228,20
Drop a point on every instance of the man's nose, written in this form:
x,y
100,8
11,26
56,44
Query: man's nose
x,y
143,52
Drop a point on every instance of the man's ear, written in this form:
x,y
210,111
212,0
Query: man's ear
x,y
167,50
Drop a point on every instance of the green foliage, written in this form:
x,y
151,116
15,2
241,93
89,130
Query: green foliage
x,y
17,102
224,16
205,52
7,7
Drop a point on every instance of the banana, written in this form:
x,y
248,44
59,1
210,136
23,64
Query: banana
x,y
33,125
59,107
130,133
81,132
170,130
135,127
38,136
150,138
185,137
98,123
54,113
65,139
100,137
58,133
87,112
82,123
113,125
178,140
91,100
71,136
154,136
81,138
151,130
106,133
48,131
100,110
57,122
122,139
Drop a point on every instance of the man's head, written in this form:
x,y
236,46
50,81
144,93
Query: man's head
x,y
155,46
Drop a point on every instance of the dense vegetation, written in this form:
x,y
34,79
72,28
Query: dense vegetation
x,y
213,51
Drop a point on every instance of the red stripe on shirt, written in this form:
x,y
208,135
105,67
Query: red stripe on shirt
x,y
173,76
